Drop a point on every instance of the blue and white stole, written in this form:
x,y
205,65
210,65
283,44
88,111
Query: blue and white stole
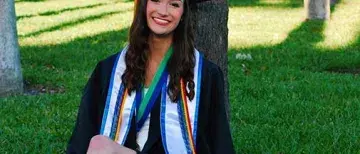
x,y
175,118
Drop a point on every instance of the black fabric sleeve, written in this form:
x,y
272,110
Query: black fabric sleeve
x,y
89,115
221,141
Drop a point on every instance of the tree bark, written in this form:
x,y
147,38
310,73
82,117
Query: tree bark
x,y
211,35
10,69
317,9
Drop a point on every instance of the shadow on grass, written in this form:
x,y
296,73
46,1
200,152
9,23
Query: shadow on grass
x,y
63,64
68,64
292,82
49,13
299,49
287,83
308,33
345,60
259,3
72,23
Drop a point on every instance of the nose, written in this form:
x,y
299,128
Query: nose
x,y
162,9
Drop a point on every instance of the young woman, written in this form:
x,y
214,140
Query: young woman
x,y
158,95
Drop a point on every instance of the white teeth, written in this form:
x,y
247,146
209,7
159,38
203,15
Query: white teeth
x,y
161,21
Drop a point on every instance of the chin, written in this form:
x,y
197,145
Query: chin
x,y
161,33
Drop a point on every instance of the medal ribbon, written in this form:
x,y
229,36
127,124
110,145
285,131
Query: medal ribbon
x,y
145,104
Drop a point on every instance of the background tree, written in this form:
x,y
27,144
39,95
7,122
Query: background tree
x,y
10,69
211,34
317,9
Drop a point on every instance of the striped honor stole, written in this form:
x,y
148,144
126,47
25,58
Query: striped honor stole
x,y
178,121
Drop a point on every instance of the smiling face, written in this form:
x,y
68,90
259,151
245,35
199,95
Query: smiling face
x,y
163,16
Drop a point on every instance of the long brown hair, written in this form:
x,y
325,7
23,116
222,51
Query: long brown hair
x,y
180,64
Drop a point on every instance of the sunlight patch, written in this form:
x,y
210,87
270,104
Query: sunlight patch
x,y
38,23
251,26
91,28
343,27
26,8
278,2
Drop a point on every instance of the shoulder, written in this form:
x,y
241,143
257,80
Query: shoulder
x,y
105,66
101,74
109,61
212,82
210,69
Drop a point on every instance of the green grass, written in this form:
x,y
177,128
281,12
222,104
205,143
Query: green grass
x,y
266,3
283,101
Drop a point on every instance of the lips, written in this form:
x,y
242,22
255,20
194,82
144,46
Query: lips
x,y
162,22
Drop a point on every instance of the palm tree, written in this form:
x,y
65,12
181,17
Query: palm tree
x,y
317,9
10,69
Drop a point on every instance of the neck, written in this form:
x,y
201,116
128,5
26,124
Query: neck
x,y
158,46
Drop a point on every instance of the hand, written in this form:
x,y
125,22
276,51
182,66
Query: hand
x,y
103,145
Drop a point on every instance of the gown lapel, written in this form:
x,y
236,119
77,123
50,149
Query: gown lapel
x,y
154,135
154,128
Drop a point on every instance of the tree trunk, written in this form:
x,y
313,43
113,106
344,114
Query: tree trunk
x,y
10,69
211,35
317,9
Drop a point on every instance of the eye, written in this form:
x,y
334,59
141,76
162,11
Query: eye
x,y
175,4
155,0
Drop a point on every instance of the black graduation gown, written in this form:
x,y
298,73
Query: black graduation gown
x,y
213,135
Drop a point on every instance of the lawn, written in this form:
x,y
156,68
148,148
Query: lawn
x,y
298,94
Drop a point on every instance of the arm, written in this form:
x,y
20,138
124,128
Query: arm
x,y
103,145
220,131
88,122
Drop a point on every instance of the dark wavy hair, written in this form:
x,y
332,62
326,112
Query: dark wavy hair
x,y
181,63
